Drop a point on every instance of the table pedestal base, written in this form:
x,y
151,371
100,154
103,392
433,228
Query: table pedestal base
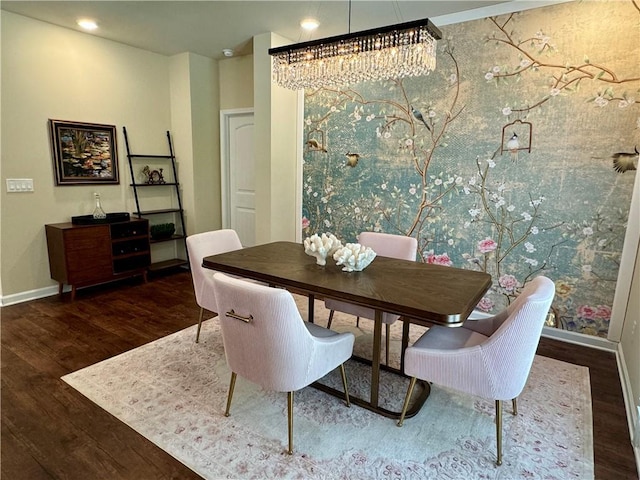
x,y
425,390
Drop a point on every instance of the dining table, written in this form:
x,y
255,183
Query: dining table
x,y
418,292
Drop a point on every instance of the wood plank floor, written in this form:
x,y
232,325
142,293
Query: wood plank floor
x,y
50,431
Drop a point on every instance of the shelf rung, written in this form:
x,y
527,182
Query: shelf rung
x,y
168,157
168,184
175,262
156,212
160,240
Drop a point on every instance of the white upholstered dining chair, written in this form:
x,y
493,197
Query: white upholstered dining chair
x,y
490,358
386,245
202,245
267,342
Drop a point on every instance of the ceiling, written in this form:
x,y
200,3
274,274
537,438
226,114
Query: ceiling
x,y
207,27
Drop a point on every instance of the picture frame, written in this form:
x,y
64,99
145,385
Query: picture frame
x,y
84,153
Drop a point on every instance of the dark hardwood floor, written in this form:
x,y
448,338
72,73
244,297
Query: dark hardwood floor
x,y
50,431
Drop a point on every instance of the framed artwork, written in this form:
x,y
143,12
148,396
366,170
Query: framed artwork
x,y
83,153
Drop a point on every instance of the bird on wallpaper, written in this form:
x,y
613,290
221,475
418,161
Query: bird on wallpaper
x,y
314,145
418,115
513,145
625,161
352,159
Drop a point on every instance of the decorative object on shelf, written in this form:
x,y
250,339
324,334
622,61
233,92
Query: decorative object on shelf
x,y
83,152
162,231
321,246
394,51
153,177
354,257
98,212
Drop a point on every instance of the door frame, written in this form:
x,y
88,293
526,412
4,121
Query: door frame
x,y
225,168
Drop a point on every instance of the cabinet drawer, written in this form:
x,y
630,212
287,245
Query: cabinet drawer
x,y
130,229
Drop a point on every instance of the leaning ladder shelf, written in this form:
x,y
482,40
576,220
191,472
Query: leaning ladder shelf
x,y
178,213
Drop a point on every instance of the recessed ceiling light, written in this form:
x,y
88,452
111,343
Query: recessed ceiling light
x,y
87,24
309,24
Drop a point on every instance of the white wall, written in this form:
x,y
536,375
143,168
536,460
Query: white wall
x,y
236,82
276,122
50,72
195,126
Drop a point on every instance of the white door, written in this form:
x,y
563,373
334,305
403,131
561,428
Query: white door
x,y
238,174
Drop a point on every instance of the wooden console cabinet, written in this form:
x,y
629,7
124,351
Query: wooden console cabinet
x,y
83,255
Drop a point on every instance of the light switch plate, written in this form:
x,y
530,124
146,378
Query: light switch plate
x,y
19,185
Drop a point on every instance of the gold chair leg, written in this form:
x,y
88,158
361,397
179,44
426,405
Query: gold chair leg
x,y
387,343
330,319
232,385
406,400
344,384
290,415
499,430
515,407
199,324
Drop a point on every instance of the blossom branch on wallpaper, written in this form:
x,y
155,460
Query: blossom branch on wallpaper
x,y
508,232
565,76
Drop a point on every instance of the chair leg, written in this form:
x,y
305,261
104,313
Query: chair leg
x,y
387,343
290,417
232,385
358,322
199,324
499,430
344,384
515,407
330,319
406,400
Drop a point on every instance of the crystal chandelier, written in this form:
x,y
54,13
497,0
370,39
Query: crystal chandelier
x,y
396,51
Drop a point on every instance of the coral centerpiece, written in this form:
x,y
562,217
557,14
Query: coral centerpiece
x,y
354,257
321,246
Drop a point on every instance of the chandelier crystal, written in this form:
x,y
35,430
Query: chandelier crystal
x,y
395,51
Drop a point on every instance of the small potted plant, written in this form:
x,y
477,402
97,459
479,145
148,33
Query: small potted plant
x,y
162,231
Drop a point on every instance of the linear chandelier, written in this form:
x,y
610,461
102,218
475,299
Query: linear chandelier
x,y
395,51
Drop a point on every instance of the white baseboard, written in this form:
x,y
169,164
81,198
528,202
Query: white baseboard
x,y
31,295
630,404
564,335
579,339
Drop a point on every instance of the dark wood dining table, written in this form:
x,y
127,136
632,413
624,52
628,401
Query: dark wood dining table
x,y
420,293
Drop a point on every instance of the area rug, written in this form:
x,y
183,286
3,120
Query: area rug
x,y
173,392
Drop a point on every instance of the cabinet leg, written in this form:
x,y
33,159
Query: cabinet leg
x,y
144,276
73,292
60,287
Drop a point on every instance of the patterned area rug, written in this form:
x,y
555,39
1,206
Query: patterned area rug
x,y
173,392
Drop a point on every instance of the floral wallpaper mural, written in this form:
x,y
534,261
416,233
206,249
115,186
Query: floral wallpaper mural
x,y
517,156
